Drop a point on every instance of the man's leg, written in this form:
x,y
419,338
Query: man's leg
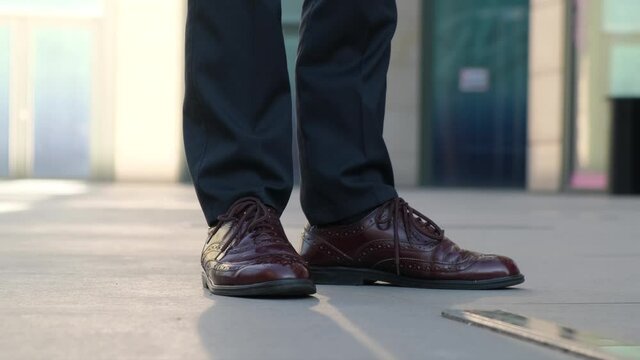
x,y
237,110
237,128
342,69
341,88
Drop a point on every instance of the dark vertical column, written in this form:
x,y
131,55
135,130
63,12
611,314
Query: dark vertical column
x,y
625,146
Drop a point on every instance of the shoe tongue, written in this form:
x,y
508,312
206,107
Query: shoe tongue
x,y
430,230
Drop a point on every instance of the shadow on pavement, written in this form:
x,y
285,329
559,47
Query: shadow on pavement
x,y
348,322
281,328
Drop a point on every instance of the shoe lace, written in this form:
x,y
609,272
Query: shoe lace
x,y
248,214
396,213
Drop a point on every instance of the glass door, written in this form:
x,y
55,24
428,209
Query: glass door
x,y
62,91
476,57
50,66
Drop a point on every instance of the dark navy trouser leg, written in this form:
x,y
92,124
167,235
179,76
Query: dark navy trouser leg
x,y
341,79
237,109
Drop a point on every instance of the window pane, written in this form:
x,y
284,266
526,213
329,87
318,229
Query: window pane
x,y
62,106
622,16
625,77
4,101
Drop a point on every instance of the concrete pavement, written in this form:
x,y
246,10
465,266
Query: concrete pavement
x,y
111,271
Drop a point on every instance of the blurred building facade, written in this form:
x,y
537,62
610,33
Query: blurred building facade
x,y
492,93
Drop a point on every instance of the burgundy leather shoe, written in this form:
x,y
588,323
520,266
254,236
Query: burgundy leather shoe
x,y
248,254
398,245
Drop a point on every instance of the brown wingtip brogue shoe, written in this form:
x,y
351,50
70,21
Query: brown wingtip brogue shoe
x,y
400,246
248,254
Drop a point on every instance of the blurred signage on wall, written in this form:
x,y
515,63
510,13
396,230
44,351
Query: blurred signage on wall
x,y
474,79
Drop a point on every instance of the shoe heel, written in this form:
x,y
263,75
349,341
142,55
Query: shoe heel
x,y
205,285
333,276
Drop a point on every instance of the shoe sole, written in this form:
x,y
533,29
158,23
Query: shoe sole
x,y
351,276
276,288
